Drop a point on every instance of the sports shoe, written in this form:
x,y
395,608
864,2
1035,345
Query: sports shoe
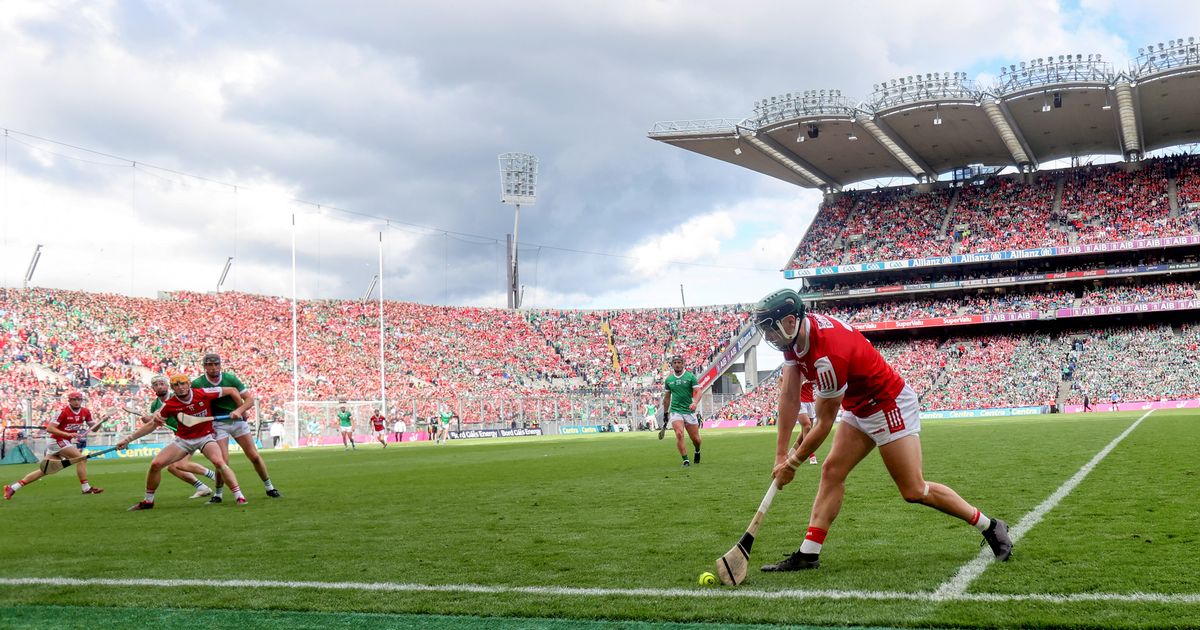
x,y
996,537
797,561
812,459
202,492
686,463
214,499
241,501
274,494
9,492
93,490
142,505
696,458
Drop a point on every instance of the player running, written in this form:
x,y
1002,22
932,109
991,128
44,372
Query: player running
x,y
236,426
881,411
185,469
680,395
188,439
346,429
73,421
379,428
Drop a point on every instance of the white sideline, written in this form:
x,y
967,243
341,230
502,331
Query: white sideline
x,y
955,587
796,594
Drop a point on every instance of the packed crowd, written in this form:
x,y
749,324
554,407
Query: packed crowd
x,y
1099,204
1137,363
1104,203
876,235
486,361
1131,292
919,308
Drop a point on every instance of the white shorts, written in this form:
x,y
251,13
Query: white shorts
x,y
57,445
687,418
809,409
194,444
379,433
892,422
232,429
345,429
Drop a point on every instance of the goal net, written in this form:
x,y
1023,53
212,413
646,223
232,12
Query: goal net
x,y
315,422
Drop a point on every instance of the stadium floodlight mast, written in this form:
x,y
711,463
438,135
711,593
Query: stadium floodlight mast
x,y
518,186
37,255
224,273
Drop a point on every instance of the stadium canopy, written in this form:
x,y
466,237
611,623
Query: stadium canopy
x,y
923,125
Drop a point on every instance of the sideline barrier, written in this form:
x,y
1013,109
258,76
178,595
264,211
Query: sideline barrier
x,y
984,413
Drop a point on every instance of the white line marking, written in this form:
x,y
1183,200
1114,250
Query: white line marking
x,y
1160,598
955,587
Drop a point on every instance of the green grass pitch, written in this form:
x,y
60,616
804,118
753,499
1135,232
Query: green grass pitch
x,y
555,531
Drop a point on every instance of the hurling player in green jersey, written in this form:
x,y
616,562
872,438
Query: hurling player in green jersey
x,y
681,392
235,426
444,417
346,428
185,469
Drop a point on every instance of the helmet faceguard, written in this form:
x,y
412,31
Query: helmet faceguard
x,y
778,317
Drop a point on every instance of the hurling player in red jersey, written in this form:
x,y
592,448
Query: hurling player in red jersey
x,y
379,428
881,410
73,421
198,437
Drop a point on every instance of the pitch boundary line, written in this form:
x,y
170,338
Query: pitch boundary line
x,y
699,593
956,586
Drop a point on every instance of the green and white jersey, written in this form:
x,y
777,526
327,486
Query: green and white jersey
x,y
681,391
171,422
344,418
223,405
651,410
445,416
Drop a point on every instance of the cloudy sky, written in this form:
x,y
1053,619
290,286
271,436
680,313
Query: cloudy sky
x,y
148,142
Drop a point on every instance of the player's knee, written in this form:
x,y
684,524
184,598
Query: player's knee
x,y
831,472
915,493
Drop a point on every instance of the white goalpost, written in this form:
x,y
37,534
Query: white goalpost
x,y
317,421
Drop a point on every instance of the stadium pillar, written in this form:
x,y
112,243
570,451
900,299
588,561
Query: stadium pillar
x,y
751,366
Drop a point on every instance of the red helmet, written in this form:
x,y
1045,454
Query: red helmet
x,y
75,395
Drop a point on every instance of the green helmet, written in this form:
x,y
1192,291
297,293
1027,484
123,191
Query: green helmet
x,y
771,310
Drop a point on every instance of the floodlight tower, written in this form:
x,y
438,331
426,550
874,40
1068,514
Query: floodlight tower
x,y
518,186
37,255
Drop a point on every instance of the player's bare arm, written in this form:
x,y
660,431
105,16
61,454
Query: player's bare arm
x,y
247,398
696,392
827,409
155,420
789,408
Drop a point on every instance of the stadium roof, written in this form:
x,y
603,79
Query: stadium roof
x,y
923,125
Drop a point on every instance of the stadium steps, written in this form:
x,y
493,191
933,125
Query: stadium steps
x,y
1056,208
1173,196
950,208
1064,390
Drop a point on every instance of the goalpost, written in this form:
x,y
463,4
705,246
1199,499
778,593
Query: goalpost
x,y
317,421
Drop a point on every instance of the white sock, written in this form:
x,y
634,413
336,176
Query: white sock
x,y
220,491
16,485
268,485
809,546
85,486
980,522
237,493
149,496
210,474
199,485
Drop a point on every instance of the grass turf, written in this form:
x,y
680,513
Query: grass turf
x,y
616,511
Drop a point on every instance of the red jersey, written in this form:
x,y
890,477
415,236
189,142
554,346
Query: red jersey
x,y
71,421
200,405
806,392
377,422
840,361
